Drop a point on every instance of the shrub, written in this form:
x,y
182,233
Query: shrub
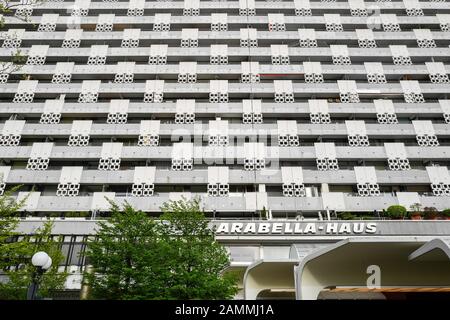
x,y
347,216
396,212
367,217
70,214
73,214
446,213
430,212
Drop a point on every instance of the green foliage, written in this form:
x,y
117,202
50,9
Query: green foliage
x,y
396,212
125,257
21,276
196,259
446,213
10,251
15,256
74,214
4,10
351,216
346,216
417,207
18,58
138,257
365,217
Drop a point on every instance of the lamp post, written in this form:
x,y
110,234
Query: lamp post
x,y
42,262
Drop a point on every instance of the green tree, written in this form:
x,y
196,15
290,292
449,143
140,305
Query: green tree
x,y
10,251
135,256
7,9
15,254
196,260
125,257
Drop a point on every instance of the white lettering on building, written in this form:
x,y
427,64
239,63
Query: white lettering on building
x,y
332,228
250,228
264,228
222,228
358,227
310,228
371,227
286,228
277,227
345,228
236,227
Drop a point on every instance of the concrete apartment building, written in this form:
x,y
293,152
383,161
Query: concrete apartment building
x,y
277,114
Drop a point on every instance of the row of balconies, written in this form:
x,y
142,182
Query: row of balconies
x,y
304,130
212,37
179,20
200,177
233,109
238,203
266,89
231,70
206,153
237,54
223,6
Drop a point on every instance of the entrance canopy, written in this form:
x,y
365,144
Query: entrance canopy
x,y
365,263
435,250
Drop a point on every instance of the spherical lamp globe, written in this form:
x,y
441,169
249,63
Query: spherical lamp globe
x,y
48,264
40,259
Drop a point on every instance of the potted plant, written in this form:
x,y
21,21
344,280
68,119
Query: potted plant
x,y
416,215
446,214
396,212
416,212
430,213
263,213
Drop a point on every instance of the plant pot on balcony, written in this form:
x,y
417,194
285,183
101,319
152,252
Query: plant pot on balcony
x,y
431,213
416,216
431,216
396,212
446,214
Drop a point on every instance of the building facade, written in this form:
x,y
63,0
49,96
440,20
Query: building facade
x,y
307,259
263,109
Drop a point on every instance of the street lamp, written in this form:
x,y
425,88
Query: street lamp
x,y
42,262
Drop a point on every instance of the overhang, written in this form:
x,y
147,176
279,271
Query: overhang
x,y
434,250
353,262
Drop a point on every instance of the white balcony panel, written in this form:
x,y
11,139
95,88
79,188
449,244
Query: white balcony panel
x,y
100,201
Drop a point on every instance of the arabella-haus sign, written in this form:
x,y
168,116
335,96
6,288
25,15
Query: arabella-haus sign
x,y
290,228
